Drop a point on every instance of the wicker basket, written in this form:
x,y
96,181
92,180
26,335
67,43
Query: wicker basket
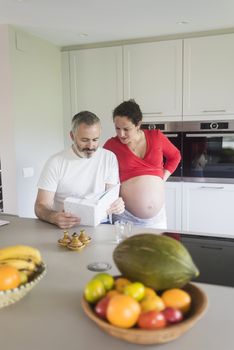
x,y
11,296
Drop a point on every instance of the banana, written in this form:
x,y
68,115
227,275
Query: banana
x,y
19,264
21,252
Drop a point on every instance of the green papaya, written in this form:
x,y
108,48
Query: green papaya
x,y
158,261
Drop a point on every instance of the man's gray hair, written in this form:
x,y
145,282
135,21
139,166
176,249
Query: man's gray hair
x,y
84,117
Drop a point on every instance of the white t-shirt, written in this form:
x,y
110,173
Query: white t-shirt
x,y
68,175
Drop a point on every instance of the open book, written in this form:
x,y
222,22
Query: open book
x,y
93,208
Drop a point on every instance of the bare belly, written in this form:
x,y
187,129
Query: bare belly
x,y
143,195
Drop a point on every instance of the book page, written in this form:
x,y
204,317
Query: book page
x,y
92,209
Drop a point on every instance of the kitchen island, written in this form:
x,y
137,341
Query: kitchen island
x,y
50,316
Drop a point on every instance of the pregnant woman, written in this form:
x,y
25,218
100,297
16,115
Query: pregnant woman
x,y
146,159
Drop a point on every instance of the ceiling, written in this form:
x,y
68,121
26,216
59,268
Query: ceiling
x,y
78,22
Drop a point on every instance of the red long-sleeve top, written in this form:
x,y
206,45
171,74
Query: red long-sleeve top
x,y
159,147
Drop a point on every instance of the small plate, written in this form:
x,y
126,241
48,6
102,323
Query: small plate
x,y
99,266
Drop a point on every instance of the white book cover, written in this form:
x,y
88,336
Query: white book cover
x,y
93,208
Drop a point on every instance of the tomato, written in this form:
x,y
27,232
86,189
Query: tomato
x,y
94,290
101,307
106,279
123,311
151,320
9,277
172,315
135,290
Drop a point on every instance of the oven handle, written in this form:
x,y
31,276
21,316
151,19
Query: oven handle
x,y
171,135
209,135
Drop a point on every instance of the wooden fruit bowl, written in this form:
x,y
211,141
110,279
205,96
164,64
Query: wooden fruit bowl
x,y
169,333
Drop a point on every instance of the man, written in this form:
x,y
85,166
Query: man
x,y
82,169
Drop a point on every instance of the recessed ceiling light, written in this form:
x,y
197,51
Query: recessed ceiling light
x,y
183,22
83,35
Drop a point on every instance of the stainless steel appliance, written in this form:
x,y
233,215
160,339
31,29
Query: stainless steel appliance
x,y
173,130
207,149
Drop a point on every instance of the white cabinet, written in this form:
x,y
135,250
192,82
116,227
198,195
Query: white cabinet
x,y
208,208
96,83
153,77
208,87
173,200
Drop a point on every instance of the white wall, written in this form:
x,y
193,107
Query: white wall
x,y
35,115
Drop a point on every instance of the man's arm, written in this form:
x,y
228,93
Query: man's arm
x,y
43,210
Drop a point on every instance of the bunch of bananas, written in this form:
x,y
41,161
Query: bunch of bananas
x,y
24,258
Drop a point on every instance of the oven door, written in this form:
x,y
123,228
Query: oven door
x,y
208,156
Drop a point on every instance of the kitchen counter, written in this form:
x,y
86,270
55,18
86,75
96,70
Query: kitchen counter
x,y
51,317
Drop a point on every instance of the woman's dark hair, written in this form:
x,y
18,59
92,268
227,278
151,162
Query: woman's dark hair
x,y
129,109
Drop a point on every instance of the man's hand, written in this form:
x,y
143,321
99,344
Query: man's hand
x,y
65,220
44,211
117,207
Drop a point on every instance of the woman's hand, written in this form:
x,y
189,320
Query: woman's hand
x,y
117,207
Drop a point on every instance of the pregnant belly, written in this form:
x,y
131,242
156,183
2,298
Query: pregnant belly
x,y
143,195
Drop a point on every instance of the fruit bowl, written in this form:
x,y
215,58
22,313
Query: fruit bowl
x,y
11,296
169,333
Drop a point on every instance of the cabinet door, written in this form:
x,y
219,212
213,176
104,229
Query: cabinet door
x,y
208,208
209,77
173,196
153,77
96,83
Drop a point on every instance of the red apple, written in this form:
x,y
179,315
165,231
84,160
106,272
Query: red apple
x,y
101,307
151,320
172,315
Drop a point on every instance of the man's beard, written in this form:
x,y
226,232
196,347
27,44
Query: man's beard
x,y
84,152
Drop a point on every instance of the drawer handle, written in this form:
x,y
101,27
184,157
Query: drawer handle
x,y
152,113
214,111
212,187
210,247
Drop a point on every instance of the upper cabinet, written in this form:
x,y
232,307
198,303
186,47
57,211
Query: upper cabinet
x,y
153,78
96,83
209,77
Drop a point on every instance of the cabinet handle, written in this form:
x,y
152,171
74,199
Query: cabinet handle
x,y
209,135
212,187
152,113
214,111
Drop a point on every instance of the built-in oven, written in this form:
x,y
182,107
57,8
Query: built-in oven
x,y
208,151
206,147
173,130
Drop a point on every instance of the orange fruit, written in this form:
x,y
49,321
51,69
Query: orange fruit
x,y
152,303
120,284
9,277
149,292
123,311
111,293
177,298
